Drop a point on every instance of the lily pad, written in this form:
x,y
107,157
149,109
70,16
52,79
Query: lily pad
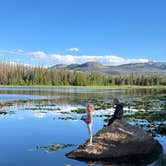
x,y
67,118
53,147
3,112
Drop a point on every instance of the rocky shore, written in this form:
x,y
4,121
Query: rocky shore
x,y
120,141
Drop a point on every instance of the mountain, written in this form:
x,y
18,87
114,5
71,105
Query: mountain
x,y
149,68
87,65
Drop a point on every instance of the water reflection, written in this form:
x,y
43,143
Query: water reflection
x,y
70,95
40,116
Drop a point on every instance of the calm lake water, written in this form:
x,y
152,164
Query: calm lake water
x,y
32,119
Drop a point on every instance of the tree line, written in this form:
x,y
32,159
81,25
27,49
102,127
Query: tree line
x,y
17,74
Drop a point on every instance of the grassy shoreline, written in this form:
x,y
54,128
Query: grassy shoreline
x,y
93,87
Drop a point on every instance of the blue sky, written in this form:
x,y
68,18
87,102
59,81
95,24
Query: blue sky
x,y
74,31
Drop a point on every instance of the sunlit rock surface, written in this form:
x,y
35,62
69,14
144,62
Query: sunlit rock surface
x,y
119,141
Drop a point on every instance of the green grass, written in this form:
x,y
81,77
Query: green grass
x,y
95,86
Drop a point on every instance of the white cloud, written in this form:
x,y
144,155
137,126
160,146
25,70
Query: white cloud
x,y
39,54
47,59
107,59
14,52
74,49
65,59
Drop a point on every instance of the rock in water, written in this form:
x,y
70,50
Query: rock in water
x,y
119,141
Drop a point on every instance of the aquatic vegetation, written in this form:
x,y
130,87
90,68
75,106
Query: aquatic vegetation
x,y
45,105
51,111
3,112
142,103
79,111
53,147
103,105
65,112
67,118
150,116
7,103
38,108
150,112
139,104
99,103
42,108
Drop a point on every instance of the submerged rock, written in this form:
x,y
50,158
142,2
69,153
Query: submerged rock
x,y
120,141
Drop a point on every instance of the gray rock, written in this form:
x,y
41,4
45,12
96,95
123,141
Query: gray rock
x,y
119,141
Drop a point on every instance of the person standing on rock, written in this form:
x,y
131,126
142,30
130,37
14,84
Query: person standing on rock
x,y
89,120
118,114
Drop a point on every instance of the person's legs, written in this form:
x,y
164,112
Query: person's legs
x,y
90,132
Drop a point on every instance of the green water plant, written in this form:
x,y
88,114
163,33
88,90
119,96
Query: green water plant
x,y
150,116
53,147
67,118
79,111
3,112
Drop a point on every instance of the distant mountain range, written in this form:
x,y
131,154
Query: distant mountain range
x,y
149,68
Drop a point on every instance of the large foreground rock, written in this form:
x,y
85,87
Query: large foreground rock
x,y
118,141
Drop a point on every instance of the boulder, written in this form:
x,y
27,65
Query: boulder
x,y
120,141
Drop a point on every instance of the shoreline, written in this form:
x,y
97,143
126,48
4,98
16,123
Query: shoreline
x,y
88,87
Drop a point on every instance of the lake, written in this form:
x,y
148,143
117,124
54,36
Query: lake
x,y
40,125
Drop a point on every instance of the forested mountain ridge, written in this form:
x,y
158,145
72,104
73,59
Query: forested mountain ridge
x,y
18,74
147,69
